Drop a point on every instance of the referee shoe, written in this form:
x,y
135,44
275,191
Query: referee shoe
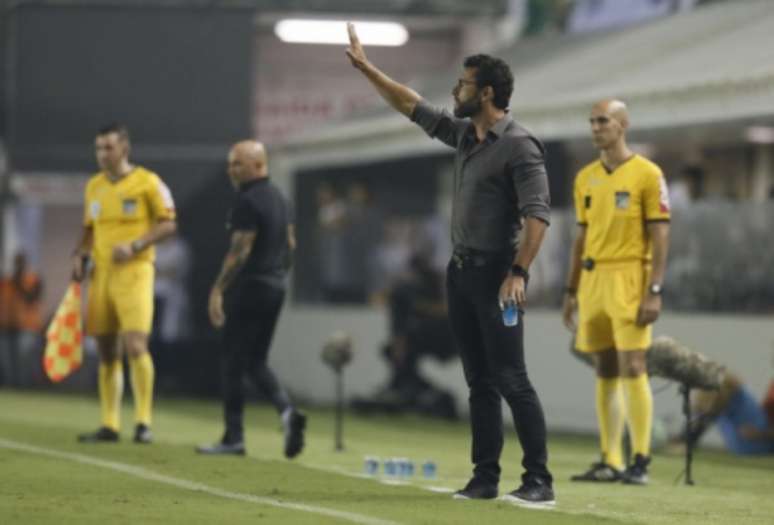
x,y
102,435
637,472
142,434
599,472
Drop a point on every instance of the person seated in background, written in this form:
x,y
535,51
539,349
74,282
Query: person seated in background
x,y
21,322
719,397
746,425
418,327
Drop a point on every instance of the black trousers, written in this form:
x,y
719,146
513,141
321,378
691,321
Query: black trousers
x,y
493,361
252,309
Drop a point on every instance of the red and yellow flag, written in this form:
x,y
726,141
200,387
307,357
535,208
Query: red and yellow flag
x,y
64,337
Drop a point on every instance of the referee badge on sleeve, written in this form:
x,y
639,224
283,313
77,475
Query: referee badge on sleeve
x,y
94,209
663,198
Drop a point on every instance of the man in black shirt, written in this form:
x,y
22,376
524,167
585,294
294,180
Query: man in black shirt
x,y
247,296
499,182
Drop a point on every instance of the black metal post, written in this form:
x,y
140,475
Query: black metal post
x,y
685,390
339,438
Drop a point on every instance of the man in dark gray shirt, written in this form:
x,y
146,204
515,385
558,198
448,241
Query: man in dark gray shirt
x,y
500,193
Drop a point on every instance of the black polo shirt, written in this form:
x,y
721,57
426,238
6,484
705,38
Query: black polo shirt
x,y
260,207
496,181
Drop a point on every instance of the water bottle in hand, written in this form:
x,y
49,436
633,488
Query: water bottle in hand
x,y
511,314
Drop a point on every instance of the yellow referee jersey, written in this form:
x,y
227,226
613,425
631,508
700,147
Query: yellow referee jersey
x,y
122,211
614,207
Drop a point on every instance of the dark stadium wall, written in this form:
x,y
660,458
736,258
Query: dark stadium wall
x,y
180,78
560,176
4,38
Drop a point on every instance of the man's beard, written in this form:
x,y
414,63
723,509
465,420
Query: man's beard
x,y
468,108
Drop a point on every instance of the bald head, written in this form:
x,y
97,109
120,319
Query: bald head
x,y
613,108
609,120
247,160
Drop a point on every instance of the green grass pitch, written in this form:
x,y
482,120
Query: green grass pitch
x,y
56,480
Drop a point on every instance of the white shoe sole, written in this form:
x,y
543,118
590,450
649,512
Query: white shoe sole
x,y
463,497
541,505
637,483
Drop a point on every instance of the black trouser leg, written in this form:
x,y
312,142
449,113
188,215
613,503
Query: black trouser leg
x,y
259,346
493,360
233,365
251,317
485,411
505,348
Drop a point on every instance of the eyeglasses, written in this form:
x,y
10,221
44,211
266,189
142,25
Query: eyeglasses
x,y
462,81
599,120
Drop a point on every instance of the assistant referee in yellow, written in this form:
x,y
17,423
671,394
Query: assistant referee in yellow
x,y
617,267
127,209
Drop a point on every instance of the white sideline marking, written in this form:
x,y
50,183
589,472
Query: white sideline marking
x,y
395,482
442,490
528,505
191,485
338,469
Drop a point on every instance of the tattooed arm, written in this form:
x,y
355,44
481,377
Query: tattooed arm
x,y
241,244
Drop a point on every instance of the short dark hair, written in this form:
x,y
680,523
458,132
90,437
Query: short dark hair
x,y
494,72
115,127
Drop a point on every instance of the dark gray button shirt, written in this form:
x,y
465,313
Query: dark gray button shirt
x,y
496,181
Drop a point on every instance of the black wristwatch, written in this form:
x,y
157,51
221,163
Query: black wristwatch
x,y
655,289
519,270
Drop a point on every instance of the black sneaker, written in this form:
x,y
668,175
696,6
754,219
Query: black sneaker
x,y
637,472
534,493
600,472
293,426
236,448
102,435
477,489
143,434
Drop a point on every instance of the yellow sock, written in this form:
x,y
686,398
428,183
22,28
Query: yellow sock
x,y
639,408
142,372
111,389
610,416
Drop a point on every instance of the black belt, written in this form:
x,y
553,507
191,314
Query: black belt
x,y
464,257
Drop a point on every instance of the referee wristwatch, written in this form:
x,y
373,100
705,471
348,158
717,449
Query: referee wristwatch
x,y
655,289
137,246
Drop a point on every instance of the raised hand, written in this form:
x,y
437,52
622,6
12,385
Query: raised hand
x,y
355,50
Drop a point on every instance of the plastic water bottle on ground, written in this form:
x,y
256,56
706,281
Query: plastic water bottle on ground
x,y
371,465
429,470
405,467
390,467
